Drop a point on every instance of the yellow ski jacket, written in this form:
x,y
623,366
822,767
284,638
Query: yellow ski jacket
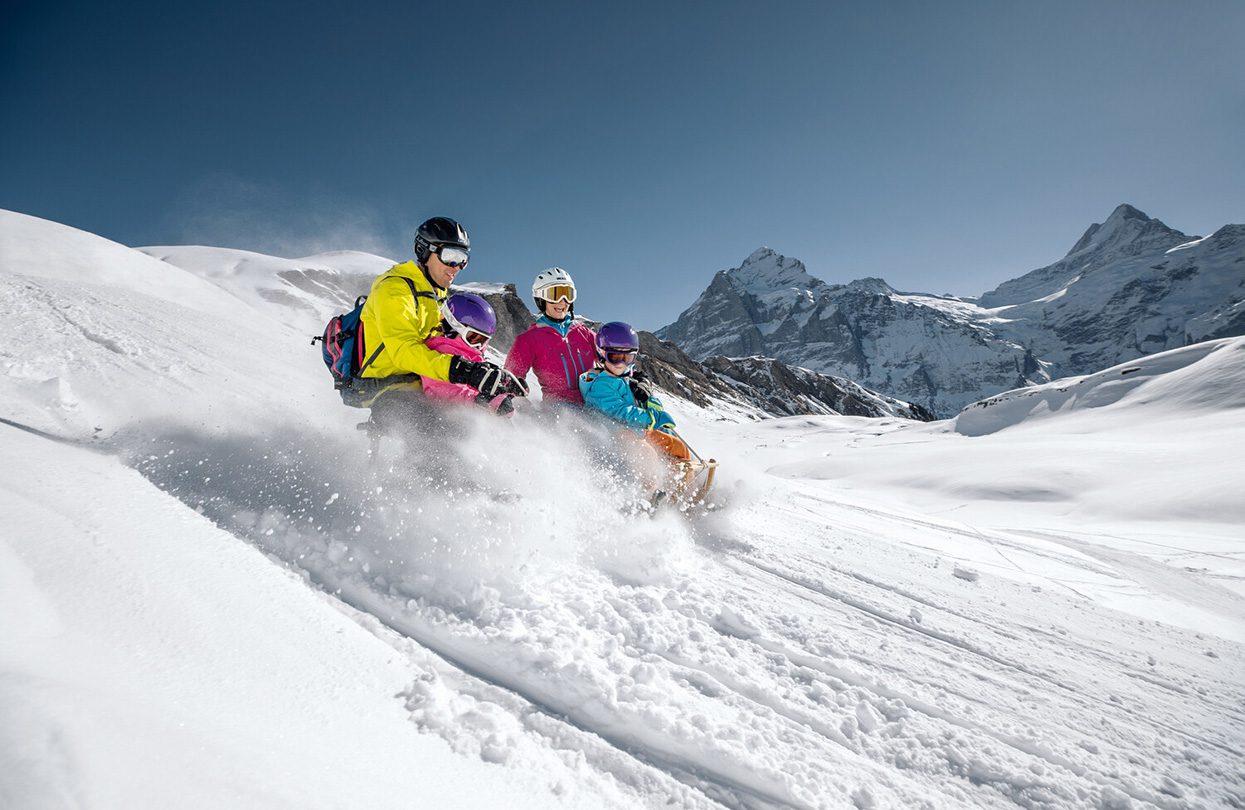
x,y
401,321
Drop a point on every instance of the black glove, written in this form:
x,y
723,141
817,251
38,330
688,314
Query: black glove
x,y
483,377
488,378
516,385
505,406
640,391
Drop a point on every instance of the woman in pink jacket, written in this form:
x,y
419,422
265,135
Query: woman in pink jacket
x,y
467,321
557,347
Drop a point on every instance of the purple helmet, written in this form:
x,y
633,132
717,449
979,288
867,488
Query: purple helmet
x,y
470,316
617,338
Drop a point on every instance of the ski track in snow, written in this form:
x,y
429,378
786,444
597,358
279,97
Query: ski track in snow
x,y
792,658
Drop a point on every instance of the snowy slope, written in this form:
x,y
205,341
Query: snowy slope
x,y
149,659
1178,385
310,289
110,336
880,613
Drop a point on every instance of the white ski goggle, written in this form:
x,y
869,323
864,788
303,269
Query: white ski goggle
x,y
453,256
470,334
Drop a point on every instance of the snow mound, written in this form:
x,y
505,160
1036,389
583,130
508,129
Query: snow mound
x,y
1201,377
41,249
299,292
131,633
350,261
112,336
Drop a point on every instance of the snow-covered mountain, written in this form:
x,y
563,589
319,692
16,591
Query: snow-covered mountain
x,y
217,600
924,349
1129,287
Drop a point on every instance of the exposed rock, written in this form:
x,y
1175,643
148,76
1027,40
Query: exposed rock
x,y
512,316
790,390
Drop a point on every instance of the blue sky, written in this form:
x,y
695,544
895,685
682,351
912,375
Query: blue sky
x,y
945,147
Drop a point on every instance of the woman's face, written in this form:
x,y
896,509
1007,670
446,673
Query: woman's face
x,y
557,311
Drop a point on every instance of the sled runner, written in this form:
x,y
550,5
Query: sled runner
x,y
689,477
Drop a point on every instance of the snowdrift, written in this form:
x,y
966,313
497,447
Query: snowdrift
x,y
149,659
1178,384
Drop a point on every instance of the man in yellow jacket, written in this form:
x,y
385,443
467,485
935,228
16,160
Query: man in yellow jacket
x,y
402,311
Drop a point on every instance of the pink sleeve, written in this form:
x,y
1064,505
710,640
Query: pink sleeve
x,y
519,360
447,391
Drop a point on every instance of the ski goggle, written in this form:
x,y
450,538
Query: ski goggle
x,y
452,326
618,357
452,256
558,292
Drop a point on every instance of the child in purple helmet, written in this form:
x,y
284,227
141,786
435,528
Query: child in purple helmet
x,y
610,387
467,324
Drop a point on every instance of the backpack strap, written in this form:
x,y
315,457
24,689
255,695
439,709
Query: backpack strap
x,y
417,294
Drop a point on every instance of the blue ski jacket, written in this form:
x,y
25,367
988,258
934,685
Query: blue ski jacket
x,y
612,396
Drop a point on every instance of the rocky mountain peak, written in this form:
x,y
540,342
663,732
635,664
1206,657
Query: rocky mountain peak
x,y
765,272
1128,232
1229,236
876,286
1127,226
759,255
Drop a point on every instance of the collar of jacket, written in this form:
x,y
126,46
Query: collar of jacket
x,y
563,326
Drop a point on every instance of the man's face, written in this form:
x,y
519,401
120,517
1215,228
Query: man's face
x,y
441,273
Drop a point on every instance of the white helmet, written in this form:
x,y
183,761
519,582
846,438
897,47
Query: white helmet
x,y
552,285
552,277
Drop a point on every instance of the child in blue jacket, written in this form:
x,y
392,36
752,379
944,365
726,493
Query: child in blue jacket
x,y
609,387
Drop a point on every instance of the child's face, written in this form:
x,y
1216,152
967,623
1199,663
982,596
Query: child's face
x,y
617,363
617,369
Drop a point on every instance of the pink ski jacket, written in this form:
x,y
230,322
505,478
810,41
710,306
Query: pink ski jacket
x,y
448,391
557,357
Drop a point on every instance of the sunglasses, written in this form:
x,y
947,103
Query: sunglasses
x,y
619,358
452,256
558,292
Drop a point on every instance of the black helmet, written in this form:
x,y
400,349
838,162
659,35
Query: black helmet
x,y
436,232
